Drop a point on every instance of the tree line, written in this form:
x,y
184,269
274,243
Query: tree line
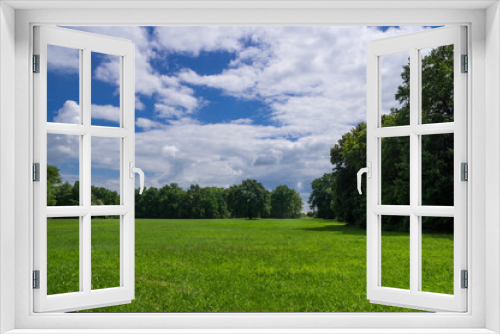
x,y
334,195
246,200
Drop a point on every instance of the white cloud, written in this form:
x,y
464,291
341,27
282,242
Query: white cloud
x,y
106,112
193,40
242,121
313,79
270,157
170,150
147,124
68,113
64,60
149,82
62,149
138,104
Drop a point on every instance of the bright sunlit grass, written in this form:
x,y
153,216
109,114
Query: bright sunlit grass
x,y
237,265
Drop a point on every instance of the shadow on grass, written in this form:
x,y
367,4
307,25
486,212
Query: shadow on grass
x,y
343,229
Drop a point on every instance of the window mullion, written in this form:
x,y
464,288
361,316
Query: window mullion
x,y
85,160
414,171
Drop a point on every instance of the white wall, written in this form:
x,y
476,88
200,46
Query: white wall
x,y
492,165
7,160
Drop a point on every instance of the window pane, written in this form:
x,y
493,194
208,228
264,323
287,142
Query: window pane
x,y
395,171
105,89
437,84
437,254
437,170
395,262
395,89
105,252
63,255
63,170
105,171
63,85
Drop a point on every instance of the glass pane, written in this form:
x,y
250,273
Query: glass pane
x,y
105,252
63,255
437,84
63,170
105,89
395,265
105,171
63,85
437,254
437,169
395,89
395,171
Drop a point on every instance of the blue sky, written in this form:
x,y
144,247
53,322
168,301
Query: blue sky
x,y
216,105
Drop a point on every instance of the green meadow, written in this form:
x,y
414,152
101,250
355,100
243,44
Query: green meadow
x,y
239,265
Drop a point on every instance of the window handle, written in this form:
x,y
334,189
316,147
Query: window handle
x,y
141,175
368,171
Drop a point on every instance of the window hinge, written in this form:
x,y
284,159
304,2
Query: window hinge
x,y
36,63
465,63
36,279
464,171
465,279
36,172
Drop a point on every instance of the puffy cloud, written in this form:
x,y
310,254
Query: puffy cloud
x,y
170,150
62,59
107,112
147,124
244,121
271,157
68,113
63,149
149,82
193,40
313,79
224,154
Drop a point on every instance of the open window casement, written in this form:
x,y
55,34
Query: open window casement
x,y
84,293
416,133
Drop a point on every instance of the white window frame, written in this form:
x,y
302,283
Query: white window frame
x,y
483,124
85,43
415,210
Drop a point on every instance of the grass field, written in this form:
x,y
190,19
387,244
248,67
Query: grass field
x,y
237,265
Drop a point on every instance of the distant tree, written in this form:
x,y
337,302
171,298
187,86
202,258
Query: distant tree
x,y
321,196
53,180
172,201
285,202
65,195
250,200
104,196
147,205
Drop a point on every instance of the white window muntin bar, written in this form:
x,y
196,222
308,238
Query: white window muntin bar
x,y
407,130
81,130
80,211
418,210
